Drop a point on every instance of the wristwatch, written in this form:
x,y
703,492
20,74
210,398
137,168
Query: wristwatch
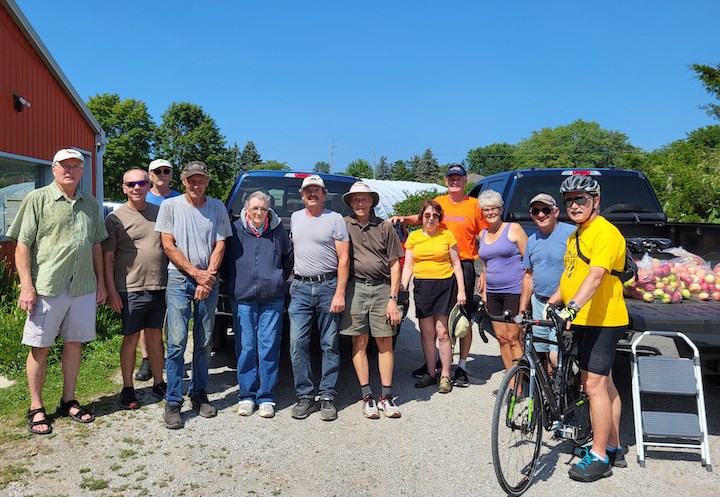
x,y
574,306
394,297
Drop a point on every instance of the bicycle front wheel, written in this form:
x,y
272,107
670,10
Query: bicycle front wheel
x,y
517,430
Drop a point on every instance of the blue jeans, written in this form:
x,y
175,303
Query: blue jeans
x,y
542,331
258,330
181,305
310,303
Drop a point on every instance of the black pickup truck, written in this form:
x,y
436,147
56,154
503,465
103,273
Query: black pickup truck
x,y
629,202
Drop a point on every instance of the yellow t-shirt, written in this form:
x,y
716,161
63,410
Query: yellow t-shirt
x,y
431,254
604,246
466,221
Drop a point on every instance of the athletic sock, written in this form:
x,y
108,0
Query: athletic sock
x,y
365,390
461,363
387,391
595,456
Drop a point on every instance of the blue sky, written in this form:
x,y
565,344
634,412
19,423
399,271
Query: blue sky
x,y
393,78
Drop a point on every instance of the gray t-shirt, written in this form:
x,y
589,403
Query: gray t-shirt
x,y
314,241
196,229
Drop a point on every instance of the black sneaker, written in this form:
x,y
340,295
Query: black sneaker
x,y
144,373
128,400
328,412
590,469
422,370
617,457
159,390
461,378
426,381
202,405
173,418
303,408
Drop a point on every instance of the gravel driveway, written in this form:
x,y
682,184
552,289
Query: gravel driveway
x,y
440,446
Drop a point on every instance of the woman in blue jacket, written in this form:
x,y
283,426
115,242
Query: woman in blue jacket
x,y
259,261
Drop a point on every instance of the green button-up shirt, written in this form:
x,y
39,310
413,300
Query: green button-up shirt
x,y
60,234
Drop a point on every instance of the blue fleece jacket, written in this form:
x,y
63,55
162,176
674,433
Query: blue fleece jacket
x,y
258,267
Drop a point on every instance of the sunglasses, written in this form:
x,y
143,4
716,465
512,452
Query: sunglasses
x,y
132,184
434,215
579,200
545,210
163,170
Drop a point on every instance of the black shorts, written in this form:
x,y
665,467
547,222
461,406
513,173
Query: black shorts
x,y
145,309
498,303
468,269
596,347
434,297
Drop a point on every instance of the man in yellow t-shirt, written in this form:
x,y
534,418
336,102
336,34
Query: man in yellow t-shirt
x,y
463,217
595,305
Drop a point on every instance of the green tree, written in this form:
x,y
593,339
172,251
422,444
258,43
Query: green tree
x,y
414,166
710,78
411,205
581,144
382,170
359,168
188,133
249,158
131,133
274,165
428,168
322,167
399,171
494,158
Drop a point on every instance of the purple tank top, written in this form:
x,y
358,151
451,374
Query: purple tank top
x,y
503,263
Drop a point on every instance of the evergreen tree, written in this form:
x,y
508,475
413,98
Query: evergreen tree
x,y
382,170
428,168
321,167
250,158
400,172
359,168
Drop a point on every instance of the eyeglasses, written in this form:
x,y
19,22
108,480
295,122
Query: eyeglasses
x,y
545,210
132,184
579,200
491,209
434,215
256,209
163,170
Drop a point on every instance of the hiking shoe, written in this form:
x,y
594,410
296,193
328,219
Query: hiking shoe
x,y
445,385
422,370
370,408
173,419
426,381
266,410
144,373
590,468
327,410
202,405
303,408
617,457
160,390
388,407
246,407
461,378
128,400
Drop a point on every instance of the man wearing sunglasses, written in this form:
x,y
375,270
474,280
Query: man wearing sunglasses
x,y
161,172
543,262
595,311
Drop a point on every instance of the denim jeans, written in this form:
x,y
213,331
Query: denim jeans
x,y
258,330
181,306
309,304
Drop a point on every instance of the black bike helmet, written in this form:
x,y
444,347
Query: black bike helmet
x,y
580,183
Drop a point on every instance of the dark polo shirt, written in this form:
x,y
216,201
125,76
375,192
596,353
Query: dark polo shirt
x,y
372,248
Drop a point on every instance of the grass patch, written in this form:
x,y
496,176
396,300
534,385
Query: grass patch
x,y
10,474
125,453
93,483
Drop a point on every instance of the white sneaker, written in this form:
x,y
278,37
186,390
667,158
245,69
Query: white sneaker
x,y
388,407
266,410
370,409
246,407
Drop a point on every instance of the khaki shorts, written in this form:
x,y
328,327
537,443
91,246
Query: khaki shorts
x,y
73,318
365,310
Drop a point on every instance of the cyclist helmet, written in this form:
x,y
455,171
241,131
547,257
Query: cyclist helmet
x,y
580,183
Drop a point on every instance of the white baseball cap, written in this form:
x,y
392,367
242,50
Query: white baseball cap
x,y
159,163
313,180
68,153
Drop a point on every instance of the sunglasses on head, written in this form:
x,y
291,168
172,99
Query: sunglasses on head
x,y
132,184
579,200
545,210
162,170
433,215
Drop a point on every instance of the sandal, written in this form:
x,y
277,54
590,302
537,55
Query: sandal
x,y
32,424
64,409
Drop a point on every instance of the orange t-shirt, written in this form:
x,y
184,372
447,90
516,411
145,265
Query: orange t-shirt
x,y
465,221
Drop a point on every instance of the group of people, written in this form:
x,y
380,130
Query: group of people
x,y
157,259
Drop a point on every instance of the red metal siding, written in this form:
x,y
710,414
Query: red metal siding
x,y
52,122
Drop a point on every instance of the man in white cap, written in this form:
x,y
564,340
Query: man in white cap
x,y
372,295
543,262
59,260
317,292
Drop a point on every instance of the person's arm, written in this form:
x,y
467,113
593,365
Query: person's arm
x,y
343,273
518,235
459,277
413,220
202,277
28,296
527,288
589,286
391,311
113,299
101,292
407,270
216,256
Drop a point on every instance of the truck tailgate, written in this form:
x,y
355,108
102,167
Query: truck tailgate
x,y
700,321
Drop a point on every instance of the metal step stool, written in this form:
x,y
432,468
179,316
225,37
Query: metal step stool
x,y
669,376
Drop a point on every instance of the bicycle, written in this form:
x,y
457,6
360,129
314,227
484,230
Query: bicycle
x,y
529,399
